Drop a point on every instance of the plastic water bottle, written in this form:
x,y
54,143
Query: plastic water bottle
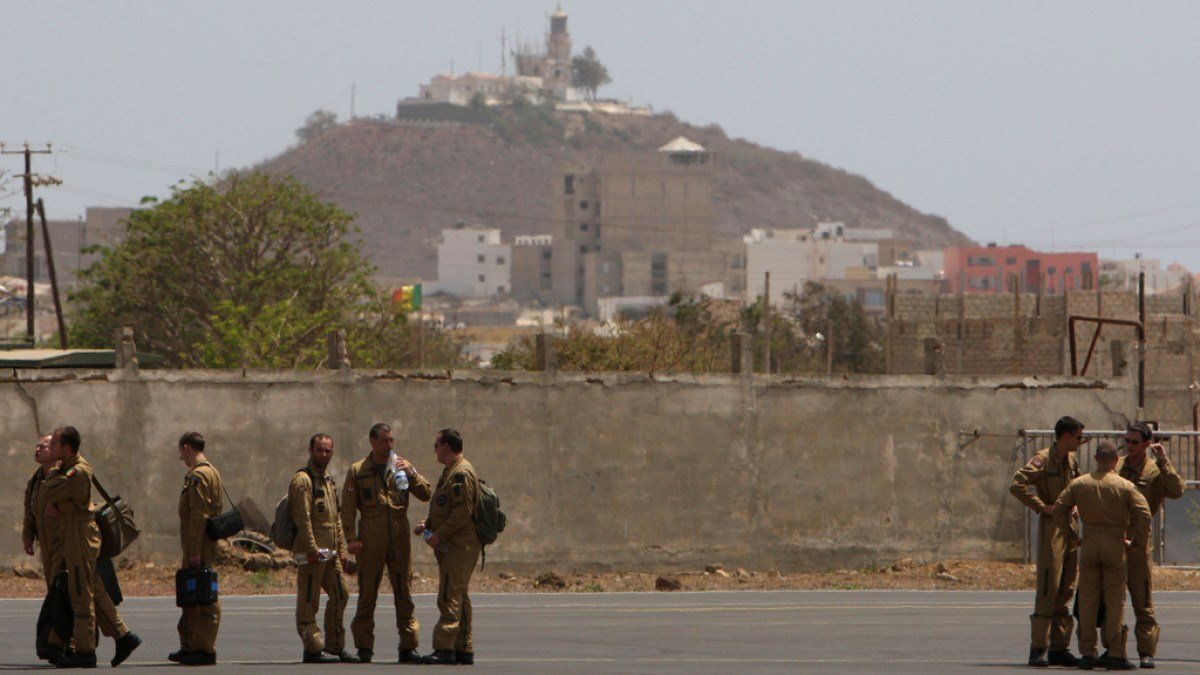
x,y
323,554
399,476
426,534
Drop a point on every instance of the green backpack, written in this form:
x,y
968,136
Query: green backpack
x,y
489,519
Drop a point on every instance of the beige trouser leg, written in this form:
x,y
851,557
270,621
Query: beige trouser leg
x,y
453,629
1140,596
1057,571
310,580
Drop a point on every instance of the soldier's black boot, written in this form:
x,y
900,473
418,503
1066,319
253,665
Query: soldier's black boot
x,y
74,659
464,658
346,657
1113,663
199,658
365,655
410,656
442,657
49,653
320,657
1087,663
178,655
1037,658
125,646
1145,661
1062,657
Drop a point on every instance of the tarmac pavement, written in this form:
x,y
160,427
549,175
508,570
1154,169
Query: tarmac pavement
x,y
709,632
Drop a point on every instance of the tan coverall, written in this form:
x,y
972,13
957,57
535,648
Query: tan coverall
x,y
33,525
1110,508
384,532
49,535
451,518
1156,481
77,544
199,500
313,500
1057,560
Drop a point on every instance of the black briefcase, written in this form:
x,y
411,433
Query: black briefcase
x,y
195,586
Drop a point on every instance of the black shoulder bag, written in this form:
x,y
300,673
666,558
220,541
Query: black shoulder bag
x,y
226,524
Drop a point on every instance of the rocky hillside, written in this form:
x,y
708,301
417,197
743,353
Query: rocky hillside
x,y
407,180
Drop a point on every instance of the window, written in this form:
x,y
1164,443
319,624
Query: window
x,y
569,184
597,230
1010,261
500,260
482,278
1068,270
980,261
480,257
499,289
545,255
583,248
658,273
583,205
1051,270
583,227
597,207
481,241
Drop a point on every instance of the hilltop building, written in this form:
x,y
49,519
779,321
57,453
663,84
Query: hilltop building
x,y
637,225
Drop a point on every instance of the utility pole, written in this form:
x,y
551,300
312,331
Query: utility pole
x,y
29,247
767,324
58,312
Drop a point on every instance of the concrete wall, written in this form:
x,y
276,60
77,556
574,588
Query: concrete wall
x,y
595,471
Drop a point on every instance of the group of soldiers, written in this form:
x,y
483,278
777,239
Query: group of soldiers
x,y
368,519
1115,503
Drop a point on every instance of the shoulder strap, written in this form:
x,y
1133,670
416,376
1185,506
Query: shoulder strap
x,y
101,490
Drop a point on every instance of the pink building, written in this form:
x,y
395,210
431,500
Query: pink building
x,y
988,269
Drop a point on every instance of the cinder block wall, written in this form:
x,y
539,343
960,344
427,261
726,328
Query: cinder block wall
x,y
596,472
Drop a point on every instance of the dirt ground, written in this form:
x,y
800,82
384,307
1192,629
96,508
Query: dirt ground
x,y
148,579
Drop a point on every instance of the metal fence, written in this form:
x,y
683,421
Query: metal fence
x,y
1175,535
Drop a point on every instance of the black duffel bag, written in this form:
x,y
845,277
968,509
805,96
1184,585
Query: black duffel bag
x,y
117,527
227,524
56,615
195,586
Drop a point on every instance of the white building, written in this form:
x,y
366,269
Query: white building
x,y
796,256
1123,274
472,263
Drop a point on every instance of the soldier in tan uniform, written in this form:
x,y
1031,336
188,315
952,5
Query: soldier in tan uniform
x,y
34,523
1157,480
1037,485
313,500
52,529
450,532
1111,508
380,539
199,500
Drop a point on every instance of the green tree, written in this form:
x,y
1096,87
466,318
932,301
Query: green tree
x,y
857,339
588,73
316,124
243,271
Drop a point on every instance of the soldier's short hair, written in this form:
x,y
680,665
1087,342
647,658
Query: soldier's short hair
x,y
312,442
1141,428
1067,425
452,438
378,429
194,440
69,436
1106,451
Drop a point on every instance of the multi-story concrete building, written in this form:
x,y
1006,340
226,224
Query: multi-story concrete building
x,y
637,225
990,269
794,257
69,239
531,268
472,263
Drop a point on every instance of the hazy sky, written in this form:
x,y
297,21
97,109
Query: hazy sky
x,y
1070,125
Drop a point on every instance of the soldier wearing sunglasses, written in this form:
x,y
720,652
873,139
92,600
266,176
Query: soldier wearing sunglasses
x,y
1157,480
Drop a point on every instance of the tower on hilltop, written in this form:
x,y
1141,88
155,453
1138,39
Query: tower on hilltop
x,y
553,65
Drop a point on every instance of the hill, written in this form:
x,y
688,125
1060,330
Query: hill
x,y
406,180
